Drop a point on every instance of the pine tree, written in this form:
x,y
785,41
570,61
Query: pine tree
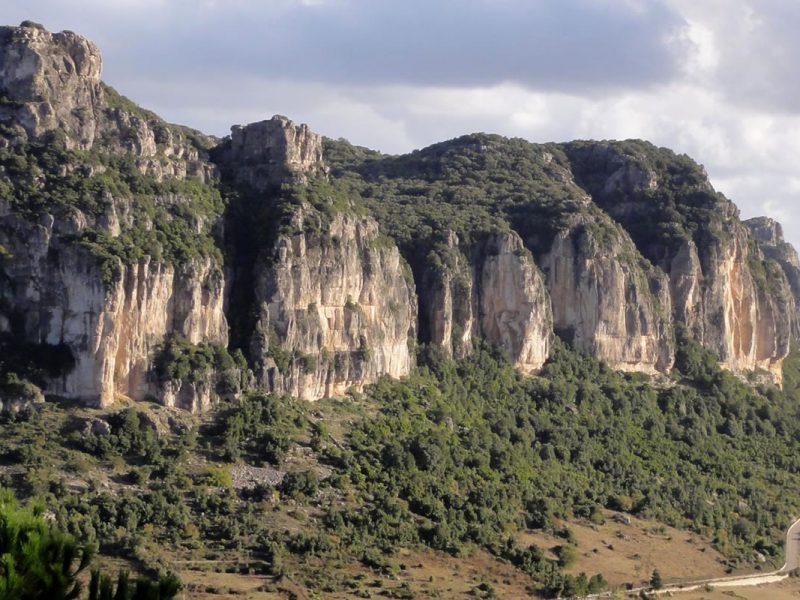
x,y
655,580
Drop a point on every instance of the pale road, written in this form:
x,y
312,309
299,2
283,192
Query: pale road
x,y
792,548
792,551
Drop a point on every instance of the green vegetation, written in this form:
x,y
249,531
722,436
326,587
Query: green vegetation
x,y
12,386
38,561
170,221
681,206
655,580
326,196
472,185
259,429
180,360
457,457
117,102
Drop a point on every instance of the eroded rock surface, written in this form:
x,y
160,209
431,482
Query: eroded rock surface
x,y
336,308
607,300
491,291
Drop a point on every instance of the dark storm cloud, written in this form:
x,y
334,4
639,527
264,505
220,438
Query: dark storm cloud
x,y
564,45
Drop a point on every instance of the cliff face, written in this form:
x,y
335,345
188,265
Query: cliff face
x,y
769,236
448,300
123,260
497,295
51,87
273,151
82,268
53,293
744,317
735,303
51,82
336,308
334,301
608,301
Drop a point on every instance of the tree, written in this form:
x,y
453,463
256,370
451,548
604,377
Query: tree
x,y
37,560
566,555
655,580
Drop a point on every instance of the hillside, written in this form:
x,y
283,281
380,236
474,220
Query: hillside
x,y
317,366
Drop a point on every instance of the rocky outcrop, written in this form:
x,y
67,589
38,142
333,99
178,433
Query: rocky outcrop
x,y
607,300
18,396
336,308
161,151
50,90
734,302
195,396
334,301
448,299
49,82
628,237
497,295
769,236
52,292
110,309
271,152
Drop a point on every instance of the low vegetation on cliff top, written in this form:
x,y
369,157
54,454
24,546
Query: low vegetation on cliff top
x,y
170,220
461,457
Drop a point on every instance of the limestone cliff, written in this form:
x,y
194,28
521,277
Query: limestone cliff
x,y
51,91
733,302
52,292
741,312
147,259
98,258
607,300
333,300
769,236
336,308
272,152
492,291
50,81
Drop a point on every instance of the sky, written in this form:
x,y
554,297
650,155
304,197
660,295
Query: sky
x,y
715,79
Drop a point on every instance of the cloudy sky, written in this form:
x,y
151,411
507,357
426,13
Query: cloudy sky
x,y
716,79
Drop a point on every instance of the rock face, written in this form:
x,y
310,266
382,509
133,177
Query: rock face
x,y
448,300
745,318
51,82
104,278
734,303
608,301
274,151
334,301
336,308
498,295
769,236
53,290
54,294
51,89
195,396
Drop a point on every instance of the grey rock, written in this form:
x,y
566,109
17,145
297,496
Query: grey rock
x,y
272,152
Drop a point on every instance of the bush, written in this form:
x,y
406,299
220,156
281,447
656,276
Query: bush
x,y
217,477
300,484
567,555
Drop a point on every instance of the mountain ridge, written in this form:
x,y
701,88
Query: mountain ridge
x,y
324,265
